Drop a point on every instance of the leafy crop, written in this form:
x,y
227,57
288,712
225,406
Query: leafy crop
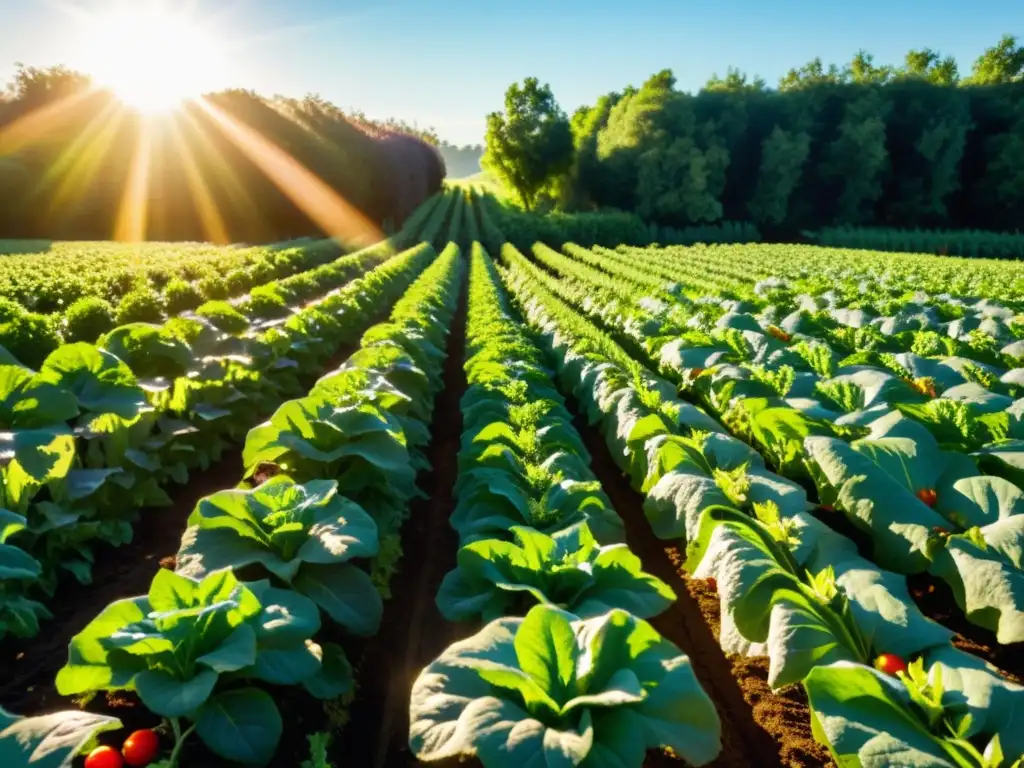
x,y
552,688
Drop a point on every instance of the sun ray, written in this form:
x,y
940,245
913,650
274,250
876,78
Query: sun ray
x,y
73,167
35,125
325,207
242,202
212,222
133,213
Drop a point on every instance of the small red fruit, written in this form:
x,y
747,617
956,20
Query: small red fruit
x,y
928,496
890,664
141,748
104,757
713,583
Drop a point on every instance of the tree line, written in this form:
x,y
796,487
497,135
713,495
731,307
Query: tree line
x,y
70,159
915,145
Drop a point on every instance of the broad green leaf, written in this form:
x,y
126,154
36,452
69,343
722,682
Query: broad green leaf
x,y
166,695
243,726
50,741
345,593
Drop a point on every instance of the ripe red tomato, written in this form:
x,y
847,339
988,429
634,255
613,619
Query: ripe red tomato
x,y
141,748
890,664
713,583
928,496
104,757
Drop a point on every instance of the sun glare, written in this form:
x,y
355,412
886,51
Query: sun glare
x,y
152,58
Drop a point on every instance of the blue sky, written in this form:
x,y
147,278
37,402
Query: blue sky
x,y
446,63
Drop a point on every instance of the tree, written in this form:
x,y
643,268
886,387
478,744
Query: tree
x,y
929,65
530,143
1002,63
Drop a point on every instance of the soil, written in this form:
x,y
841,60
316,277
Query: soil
x,y
413,632
745,742
935,599
783,712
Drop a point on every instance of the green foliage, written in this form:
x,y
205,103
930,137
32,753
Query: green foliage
x,y
181,296
143,305
29,337
562,688
530,142
88,319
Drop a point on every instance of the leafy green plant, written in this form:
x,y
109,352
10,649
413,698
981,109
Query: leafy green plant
x,y
52,740
868,719
186,649
552,688
567,569
181,296
143,305
88,319
304,535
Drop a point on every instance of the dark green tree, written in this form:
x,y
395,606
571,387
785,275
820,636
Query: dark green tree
x,y
530,144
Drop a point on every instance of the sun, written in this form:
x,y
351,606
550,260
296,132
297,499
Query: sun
x,y
152,58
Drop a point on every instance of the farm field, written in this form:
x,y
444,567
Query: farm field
x,y
445,498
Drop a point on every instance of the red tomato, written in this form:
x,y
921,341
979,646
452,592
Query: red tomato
x,y
928,496
890,664
713,583
104,757
141,748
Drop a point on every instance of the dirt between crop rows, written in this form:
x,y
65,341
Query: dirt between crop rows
x,y
747,739
413,632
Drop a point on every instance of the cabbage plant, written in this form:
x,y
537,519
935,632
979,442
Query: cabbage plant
x,y
568,569
555,689
184,646
302,534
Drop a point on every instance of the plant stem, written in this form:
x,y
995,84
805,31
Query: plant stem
x,y
179,739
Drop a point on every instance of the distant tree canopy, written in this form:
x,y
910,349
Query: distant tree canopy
x,y
70,160
913,145
530,143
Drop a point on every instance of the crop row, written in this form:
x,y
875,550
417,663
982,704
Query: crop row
x,y
101,431
275,576
566,671
792,588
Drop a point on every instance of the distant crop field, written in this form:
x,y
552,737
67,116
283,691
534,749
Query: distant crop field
x,y
750,504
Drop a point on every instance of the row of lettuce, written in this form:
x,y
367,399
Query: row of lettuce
x,y
937,436
566,671
103,431
791,587
276,575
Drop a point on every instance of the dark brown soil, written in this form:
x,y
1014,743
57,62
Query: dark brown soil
x,y
413,632
744,741
935,599
784,712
